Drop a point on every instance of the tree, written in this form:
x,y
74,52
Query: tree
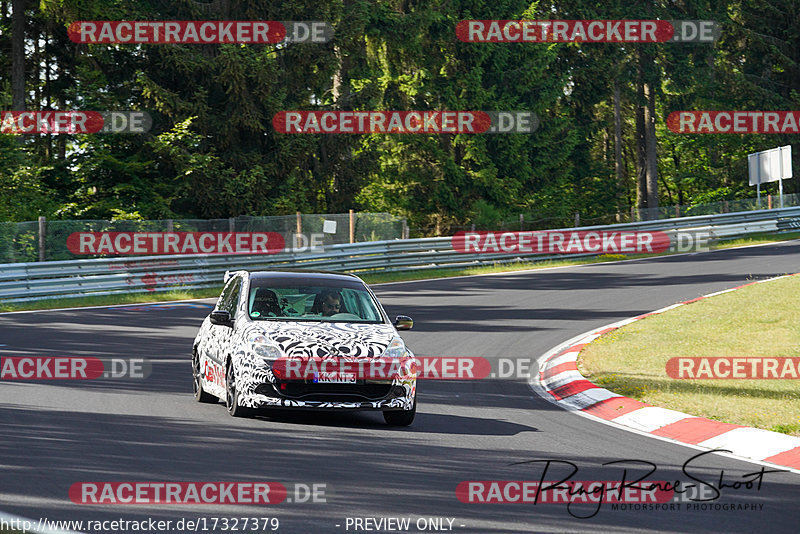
x,y
18,55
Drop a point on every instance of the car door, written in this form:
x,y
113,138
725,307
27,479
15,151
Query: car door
x,y
221,335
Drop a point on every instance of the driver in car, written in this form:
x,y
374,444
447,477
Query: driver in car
x,y
331,303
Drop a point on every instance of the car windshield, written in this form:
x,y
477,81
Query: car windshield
x,y
311,300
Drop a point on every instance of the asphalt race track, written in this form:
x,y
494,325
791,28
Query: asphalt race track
x,y
56,433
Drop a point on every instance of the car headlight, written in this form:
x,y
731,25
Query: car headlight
x,y
265,348
396,349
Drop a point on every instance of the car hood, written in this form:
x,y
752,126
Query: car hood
x,y
322,340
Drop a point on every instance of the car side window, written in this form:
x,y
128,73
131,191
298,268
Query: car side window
x,y
230,296
225,294
232,299
352,305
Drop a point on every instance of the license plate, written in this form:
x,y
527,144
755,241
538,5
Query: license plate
x,y
334,378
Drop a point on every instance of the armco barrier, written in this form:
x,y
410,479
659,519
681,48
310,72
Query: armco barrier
x,y
44,280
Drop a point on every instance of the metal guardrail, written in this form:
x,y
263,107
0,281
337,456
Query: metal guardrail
x,y
45,280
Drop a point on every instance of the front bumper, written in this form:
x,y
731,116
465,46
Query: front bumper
x,y
259,387
384,406
399,397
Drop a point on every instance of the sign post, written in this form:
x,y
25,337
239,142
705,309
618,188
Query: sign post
x,y
769,166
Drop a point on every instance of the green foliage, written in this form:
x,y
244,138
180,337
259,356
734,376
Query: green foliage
x,y
213,153
23,196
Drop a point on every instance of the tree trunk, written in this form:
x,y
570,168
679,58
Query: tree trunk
x,y
641,152
618,169
18,55
336,87
676,161
650,147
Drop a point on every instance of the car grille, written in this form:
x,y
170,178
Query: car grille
x,y
308,391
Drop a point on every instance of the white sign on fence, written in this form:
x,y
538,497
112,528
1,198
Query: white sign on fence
x,y
329,227
770,165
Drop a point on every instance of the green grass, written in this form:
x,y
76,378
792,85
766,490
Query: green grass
x,y
762,320
370,278
757,239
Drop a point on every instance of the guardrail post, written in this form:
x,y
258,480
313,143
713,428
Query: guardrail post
x,y
231,224
352,227
677,210
170,225
725,207
42,235
769,202
298,236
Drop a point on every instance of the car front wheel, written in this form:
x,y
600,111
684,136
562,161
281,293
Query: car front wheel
x,y
232,395
401,417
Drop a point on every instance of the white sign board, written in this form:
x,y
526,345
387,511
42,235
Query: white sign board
x,y
770,165
329,227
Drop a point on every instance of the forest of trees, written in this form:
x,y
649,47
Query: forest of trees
x,y
602,145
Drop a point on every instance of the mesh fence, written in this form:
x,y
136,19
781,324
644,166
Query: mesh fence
x,y
19,242
726,206
534,221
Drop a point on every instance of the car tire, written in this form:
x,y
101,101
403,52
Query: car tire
x,y
200,395
232,395
400,417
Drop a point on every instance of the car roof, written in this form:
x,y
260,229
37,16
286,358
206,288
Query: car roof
x,y
300,273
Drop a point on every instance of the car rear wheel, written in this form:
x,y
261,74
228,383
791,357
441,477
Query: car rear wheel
x,y
401,417
197,386
232,395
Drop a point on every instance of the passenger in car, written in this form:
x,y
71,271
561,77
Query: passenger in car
x,y
266,303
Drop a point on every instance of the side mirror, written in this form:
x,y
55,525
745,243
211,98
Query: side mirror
x,y
221,317
403,322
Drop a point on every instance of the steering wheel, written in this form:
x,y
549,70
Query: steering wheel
x,y
345,316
